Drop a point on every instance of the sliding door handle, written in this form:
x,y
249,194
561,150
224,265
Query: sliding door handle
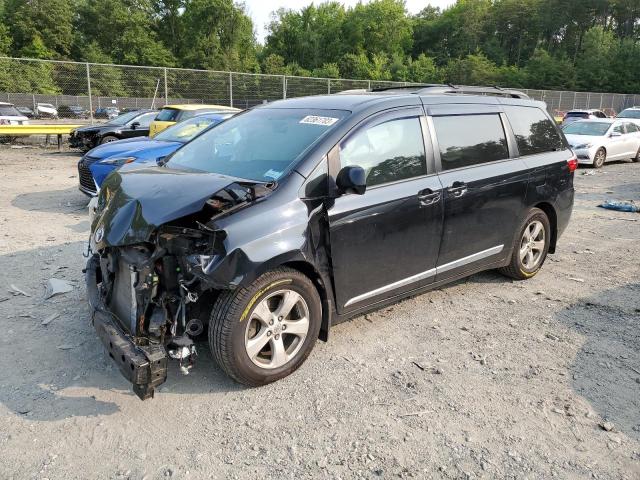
x,y
457,189
429,197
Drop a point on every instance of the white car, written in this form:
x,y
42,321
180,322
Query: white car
x,y
46,110
598,141
9,115
631,115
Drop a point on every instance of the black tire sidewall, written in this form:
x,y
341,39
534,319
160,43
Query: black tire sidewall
x,y
534,215
257,292
108,139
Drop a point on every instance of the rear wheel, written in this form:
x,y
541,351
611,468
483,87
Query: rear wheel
x,y
264,332
108,139
530,247
599,158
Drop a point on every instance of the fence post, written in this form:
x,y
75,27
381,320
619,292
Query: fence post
x,y
574,100
166,87
284,86
328,86
230,89
89,92
369,83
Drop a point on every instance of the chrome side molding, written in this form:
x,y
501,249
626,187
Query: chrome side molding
x,y
428,274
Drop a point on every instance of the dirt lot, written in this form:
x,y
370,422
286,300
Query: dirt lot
x,y
487,378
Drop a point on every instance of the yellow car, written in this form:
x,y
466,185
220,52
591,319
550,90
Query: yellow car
x,y
172,114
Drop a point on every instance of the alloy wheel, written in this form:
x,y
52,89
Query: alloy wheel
x,y
532,245
277,329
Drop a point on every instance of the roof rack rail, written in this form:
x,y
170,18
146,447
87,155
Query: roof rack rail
x,y
434,89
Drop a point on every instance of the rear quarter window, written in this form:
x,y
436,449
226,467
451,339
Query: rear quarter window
x,y
533,130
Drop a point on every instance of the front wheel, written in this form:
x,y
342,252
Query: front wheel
x,y
108,139
599,158
530,247
264,332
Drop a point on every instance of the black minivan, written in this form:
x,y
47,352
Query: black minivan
x,y
299,214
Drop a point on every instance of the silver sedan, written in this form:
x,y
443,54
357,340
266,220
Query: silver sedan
x,y
598,141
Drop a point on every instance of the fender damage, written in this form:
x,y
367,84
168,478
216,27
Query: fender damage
x,y
157,256
165,242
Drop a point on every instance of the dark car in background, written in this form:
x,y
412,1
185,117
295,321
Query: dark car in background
x,y
128,125
106,112
72,111
299,214
94,167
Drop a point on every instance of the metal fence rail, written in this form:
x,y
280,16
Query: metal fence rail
x,y
27,82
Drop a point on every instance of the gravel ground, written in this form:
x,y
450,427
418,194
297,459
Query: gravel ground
x,y
486,378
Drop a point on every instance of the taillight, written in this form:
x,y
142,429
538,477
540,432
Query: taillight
x,y
572,163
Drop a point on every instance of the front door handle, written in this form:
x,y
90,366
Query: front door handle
x,y
457,189
428,196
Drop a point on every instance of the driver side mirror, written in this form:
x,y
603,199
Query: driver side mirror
x,y
135,125
352,179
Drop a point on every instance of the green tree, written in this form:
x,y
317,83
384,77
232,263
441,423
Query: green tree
x,y
474,69
124,30
548,72
41,27
218,35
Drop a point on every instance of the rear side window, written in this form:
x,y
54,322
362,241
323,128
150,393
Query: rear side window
x,y
467,140
168,115
578,115
533,130
599,114
631,128
146,119
388,152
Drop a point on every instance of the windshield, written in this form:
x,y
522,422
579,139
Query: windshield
x,y
124,118
594,129
185,131
261,144
629,113
9,110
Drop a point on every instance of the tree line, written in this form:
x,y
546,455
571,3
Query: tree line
x,y
589,45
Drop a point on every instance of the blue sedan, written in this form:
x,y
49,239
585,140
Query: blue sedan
x,y
99,162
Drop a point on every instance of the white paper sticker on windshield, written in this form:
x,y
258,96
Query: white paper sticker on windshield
x,y
316,120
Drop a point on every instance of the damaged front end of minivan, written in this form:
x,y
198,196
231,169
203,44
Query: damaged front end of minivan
x,y
156,260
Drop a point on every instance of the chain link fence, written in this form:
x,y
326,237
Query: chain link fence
x,y
28,83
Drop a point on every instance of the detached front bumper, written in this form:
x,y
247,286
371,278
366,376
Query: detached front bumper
x,y
145,366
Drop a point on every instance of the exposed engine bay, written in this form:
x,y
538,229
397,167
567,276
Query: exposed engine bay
x,y
152,298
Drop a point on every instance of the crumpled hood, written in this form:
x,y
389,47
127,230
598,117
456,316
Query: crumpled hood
x,y
128,147
138,201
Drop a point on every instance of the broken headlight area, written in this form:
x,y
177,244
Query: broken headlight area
x,y
148,307
152,297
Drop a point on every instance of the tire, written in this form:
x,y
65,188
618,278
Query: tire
x,y
525,265
236,330
108,139
599,158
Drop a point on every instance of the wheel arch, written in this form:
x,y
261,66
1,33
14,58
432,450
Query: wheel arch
x,y
551,214
310,271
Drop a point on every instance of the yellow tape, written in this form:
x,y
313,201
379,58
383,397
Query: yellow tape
x,y
258,295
